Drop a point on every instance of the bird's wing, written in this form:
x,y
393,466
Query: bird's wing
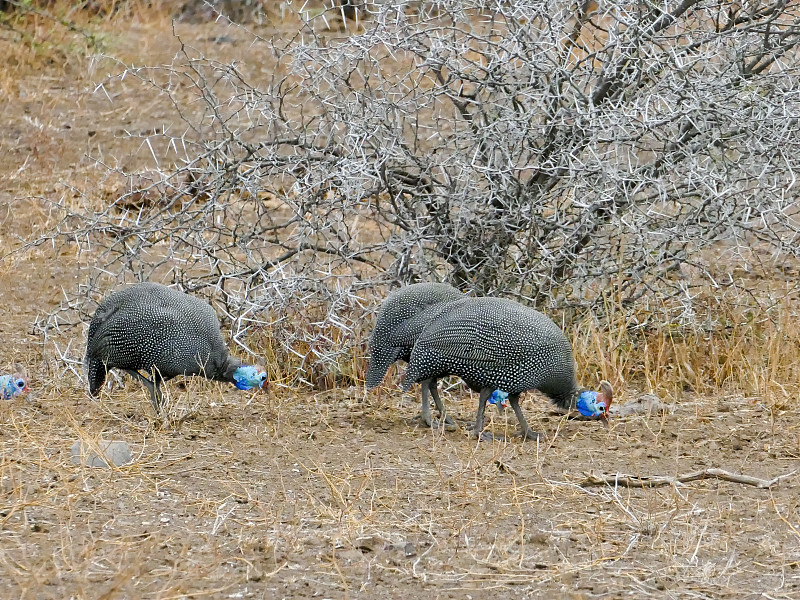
x,y
99,326
458,339
487,345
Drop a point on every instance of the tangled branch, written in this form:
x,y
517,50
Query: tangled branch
x,y
517,148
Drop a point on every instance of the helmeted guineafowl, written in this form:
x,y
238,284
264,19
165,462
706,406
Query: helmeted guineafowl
x,y
497,344
12,386
401,318
150,327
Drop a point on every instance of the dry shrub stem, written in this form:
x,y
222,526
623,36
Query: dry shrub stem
x,y
29,8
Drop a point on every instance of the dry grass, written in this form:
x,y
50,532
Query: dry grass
x,y
335,494
338,495
737,344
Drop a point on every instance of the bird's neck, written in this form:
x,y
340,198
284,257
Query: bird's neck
x,y
228,368
568,398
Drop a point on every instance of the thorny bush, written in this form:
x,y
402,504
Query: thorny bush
x,y
557,152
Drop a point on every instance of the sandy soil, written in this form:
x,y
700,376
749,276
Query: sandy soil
x,y
337,494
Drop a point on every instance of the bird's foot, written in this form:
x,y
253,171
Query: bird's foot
x,y
427,421
177,422
487,436
422,418
448,424
530,434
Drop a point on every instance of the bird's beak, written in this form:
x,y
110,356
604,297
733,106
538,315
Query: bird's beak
x,y
607,392
264,384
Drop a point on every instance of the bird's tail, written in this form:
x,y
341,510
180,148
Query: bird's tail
x,y
379,363
95,373
410,377
376,373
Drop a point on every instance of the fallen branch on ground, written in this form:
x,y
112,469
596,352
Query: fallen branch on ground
x,y
635,481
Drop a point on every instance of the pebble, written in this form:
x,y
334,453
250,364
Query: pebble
x,y
647,404
115,452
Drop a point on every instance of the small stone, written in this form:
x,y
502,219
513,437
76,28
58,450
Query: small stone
x,y
367,544
541,539
647,404
115,452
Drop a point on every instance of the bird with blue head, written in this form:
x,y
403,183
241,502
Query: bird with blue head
x,y
502,349
595,405
155,333
401,319
12,386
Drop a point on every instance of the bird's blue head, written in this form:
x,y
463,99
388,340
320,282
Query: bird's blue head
x,y
589,405
596,404
12,386
247,377
500,399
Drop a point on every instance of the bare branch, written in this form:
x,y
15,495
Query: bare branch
x,y
647,481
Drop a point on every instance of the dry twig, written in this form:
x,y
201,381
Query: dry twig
x,y
636,481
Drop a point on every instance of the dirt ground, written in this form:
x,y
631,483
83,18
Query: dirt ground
x,y
337,494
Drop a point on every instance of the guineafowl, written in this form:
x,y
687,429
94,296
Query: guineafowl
x,y
401,318
150,327
497,344
12,386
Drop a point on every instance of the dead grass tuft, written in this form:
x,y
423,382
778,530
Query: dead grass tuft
x,y
736,344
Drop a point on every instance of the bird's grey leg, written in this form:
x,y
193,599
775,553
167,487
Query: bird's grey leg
x,y
152,387
477,430
525,429
157,398
147,383
426,403
448,420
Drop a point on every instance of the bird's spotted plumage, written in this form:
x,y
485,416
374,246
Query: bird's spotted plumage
x,y
401,318
496,344
12,386
150,327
